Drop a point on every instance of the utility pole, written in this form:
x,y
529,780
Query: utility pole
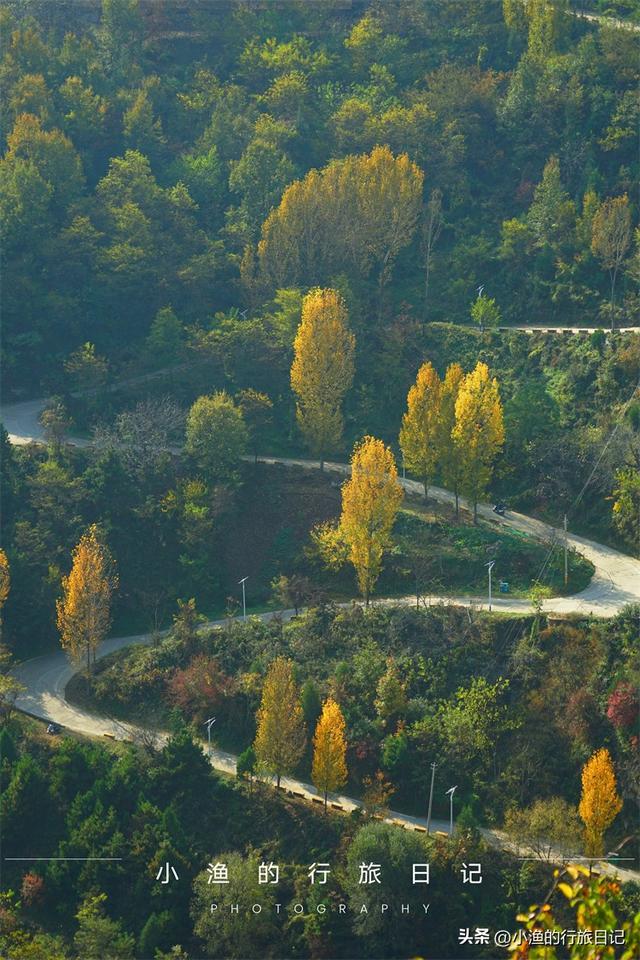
x,y
566,555
449,793
433,774
244,598
208,724
490,567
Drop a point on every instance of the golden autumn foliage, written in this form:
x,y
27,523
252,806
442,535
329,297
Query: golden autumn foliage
x,y
280,735
419,431
322,369
599,802
478,431
454,426
596,901
329,770
5,583
84,610
356,214
449,450
371,499
5,578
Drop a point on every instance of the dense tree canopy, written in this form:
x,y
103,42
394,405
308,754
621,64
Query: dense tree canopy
x,y
500,131
287,226
356,214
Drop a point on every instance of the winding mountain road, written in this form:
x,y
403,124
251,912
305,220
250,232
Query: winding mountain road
x,y
45,679
616,582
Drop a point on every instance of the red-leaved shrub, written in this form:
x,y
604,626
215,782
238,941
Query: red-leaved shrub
x,y
200,689
623,706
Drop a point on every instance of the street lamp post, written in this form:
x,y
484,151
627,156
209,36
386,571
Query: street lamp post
x,y
208,724
450,792
480,324
433,774
490,567
244,598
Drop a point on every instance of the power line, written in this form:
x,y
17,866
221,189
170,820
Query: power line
x,y
577,499
606,445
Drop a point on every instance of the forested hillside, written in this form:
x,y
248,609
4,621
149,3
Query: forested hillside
x,y
148,148
270,273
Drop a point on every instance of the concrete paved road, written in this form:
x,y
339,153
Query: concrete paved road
x,y
22,422
617,576
616,580
45,679
615,583
528,328
606,21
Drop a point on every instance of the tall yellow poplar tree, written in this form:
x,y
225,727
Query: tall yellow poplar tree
x,y
280,735
449,450
599,803
329,769
479,431
419,431
322,369
371,499
5,583
84,610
